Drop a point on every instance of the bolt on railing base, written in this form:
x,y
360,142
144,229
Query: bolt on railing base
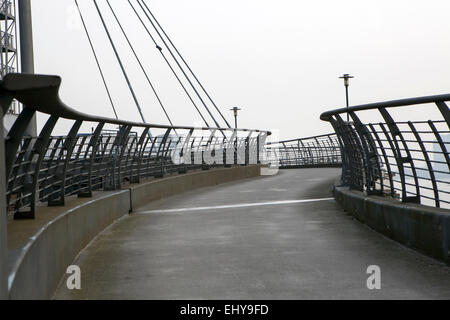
x,y
135,180
57,203
86,194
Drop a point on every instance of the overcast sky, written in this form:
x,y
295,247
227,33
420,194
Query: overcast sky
x,y
277,60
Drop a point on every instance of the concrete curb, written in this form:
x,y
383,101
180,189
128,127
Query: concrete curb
x,y
45,258
158,189
423,228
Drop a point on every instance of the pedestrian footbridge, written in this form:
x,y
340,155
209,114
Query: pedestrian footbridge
x,y
270,237
144,211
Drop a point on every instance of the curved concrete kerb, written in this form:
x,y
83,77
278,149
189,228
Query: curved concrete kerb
x,y
426,229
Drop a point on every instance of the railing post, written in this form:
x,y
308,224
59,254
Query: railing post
x,y
183,168
247,150
343,129
443,108
371,164
139,155
160,154
344,156
149,162
14,138
39,150
441,143
208,149
386,161
258,139
69,146
94,144
124,134
428,162
400,160
3,219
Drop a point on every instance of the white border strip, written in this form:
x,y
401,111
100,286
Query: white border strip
x,y
234,206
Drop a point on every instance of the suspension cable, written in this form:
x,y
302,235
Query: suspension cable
x,y
96,60
187,65
178,63
139,62
168,63
120,63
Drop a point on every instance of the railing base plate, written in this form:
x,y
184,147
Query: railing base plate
x,y
24,215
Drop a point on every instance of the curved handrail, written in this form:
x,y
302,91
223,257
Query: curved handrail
x,y
48,168
405,159
310,152
305,138
387,104
41,93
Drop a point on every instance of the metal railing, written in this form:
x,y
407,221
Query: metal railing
x,y
405,159
318,151
48,168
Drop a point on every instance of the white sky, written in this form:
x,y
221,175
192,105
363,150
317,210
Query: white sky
x,y
277,60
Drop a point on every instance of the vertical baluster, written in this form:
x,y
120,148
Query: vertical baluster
x,y
91,152
38,153
443,108
14,137
386,160
124,134
160,154
139,155
69,146
396,136
440,142
370,156
428,162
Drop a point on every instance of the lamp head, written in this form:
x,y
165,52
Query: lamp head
x,y
346,78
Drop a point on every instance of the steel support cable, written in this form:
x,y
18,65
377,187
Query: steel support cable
x,y
96,59
187,65
139,62
178,63
168,63
120,62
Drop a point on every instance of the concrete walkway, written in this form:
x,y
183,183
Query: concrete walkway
x,y
252,240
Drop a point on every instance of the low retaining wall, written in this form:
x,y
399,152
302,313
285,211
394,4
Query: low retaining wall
x,y
420,227
44,260
158,189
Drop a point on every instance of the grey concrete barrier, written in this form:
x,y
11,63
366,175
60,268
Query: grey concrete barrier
x,y
423,228
158,189
44,260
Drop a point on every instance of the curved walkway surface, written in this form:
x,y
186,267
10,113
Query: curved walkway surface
x,y
254,239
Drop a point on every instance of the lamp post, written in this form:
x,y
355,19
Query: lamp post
x,y
235,110
347,78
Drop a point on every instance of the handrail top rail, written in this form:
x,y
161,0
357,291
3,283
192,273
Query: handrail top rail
x,y
387,104
41,93
306,138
